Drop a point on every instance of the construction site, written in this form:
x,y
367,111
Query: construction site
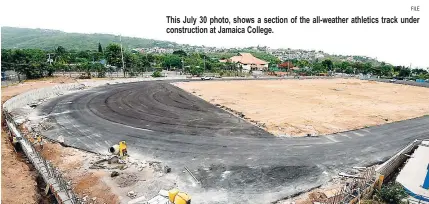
x,y
230,140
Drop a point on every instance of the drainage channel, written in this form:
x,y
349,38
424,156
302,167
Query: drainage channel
x,y
53,181
40,195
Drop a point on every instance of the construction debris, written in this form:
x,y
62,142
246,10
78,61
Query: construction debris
x,y
349,175
114,174
167,169
131,194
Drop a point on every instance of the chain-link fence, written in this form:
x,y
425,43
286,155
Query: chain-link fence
x,y
11,77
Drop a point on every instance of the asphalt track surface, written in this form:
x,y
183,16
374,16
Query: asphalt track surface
x,y
225,153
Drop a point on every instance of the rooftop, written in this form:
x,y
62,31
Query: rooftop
x,y
247,58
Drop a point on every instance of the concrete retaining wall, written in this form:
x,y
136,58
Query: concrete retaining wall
x,y
38,94
388,167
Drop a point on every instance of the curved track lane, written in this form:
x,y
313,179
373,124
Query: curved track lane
x,y
226,154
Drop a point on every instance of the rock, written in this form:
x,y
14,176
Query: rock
x,y
113,160
60,139
114,174
94,198
167,169
131,194
123,167
85,198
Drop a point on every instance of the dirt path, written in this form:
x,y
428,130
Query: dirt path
x,y
300,107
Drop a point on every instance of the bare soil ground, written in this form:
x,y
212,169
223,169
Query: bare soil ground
x,y
19,181
316,106
85,182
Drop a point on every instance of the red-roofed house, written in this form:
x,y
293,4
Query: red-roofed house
x,y
249,62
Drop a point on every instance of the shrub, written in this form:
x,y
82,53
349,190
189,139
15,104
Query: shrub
x,y
156,74
392,193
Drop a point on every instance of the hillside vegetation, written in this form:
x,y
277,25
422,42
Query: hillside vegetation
x,y
24,38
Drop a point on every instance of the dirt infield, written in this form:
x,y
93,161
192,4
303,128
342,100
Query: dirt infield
x,y
319,106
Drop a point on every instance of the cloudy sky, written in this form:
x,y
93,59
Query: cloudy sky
x,y
401,44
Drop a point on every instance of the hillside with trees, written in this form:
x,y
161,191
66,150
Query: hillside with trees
x,y
37,53
26,38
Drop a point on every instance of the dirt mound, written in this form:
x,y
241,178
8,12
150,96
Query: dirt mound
x,y
351,83
126,179
63,80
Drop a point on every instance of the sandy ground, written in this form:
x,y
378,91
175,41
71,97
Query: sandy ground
x,y
18,181
317,107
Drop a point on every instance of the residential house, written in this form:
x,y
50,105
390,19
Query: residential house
x,y
248,62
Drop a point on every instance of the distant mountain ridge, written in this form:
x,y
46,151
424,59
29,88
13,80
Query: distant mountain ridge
x,y
45,39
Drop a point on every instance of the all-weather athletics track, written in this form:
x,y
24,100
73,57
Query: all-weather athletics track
x,y
225,153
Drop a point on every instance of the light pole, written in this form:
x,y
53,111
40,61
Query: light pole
x,y
122,55
183,68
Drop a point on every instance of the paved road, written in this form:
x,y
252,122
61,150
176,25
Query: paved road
x,y
228,155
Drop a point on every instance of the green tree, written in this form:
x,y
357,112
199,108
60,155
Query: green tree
x,y
196,70
180,53
367,67
100,49
171,61
404,72
345,66
61,55
327,63
113,55
319,67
